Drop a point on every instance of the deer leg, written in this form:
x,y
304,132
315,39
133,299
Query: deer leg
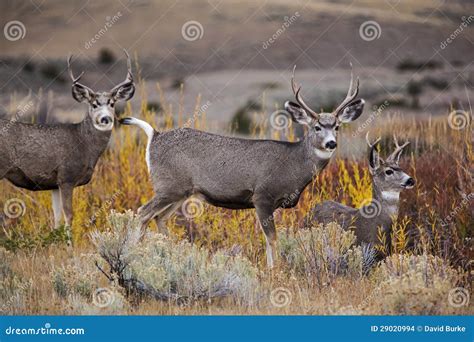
x,y
66,192
164,215
56,196
154,207
265,216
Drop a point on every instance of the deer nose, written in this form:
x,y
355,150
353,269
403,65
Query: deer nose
x,y
331,145
410,182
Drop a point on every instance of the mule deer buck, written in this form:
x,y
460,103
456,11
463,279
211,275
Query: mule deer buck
x,y
238,173
60,157
388,180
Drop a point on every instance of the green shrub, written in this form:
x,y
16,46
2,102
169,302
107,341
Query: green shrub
x,y
414,285
324,252
164,268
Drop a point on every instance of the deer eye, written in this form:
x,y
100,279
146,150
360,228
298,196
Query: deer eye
x,y
94,105
317,128
337,128
388,172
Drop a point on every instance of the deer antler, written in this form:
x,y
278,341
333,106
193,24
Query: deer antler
x,y
74,79
368,140
395,156
299,99
350,95
129,78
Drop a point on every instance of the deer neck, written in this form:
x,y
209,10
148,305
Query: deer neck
x,y
97,139
389,201
315,159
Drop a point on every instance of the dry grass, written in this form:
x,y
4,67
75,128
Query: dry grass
x,y
44,277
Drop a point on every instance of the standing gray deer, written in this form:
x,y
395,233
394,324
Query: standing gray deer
x,y
240,173
60,157
388,180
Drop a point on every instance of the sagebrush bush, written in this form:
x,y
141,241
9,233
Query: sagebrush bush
x,y
323,252
414,285
78,283
165,268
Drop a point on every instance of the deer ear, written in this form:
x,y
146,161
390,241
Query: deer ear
x,y
81,93
374,159
297,113
124,91
352,111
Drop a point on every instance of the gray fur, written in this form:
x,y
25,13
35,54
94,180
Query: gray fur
x,y
238,173
61,156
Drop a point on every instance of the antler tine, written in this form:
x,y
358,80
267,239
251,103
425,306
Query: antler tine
x,y
395,155
299,99
368,140
74,79
293,83
129,65
351,95
129,78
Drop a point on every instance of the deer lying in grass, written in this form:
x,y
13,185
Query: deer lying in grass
x,y
239,173
388,180
60,157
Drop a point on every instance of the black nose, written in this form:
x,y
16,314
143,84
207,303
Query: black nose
x,y
331,144
410,182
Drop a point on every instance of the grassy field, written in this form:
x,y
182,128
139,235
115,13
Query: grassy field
x,y
429,270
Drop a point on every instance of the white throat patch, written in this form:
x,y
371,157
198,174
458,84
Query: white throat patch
x,y
391,195
323,154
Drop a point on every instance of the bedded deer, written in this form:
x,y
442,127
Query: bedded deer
x,y
240,173
60,157
388,180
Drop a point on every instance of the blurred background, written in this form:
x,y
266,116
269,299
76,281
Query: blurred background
x,y
414,58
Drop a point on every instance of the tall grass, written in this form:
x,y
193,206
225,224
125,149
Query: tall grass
x,y
439,158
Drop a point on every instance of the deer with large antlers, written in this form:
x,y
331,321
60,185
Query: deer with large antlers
x,y
372,223
240,173
60,157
